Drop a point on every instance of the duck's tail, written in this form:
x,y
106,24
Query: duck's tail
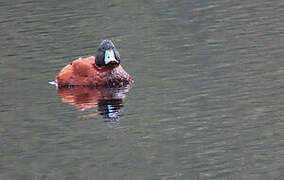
x,y
54,83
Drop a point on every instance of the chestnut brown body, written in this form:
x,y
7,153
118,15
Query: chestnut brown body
x,y
85,72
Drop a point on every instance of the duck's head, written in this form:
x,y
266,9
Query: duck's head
x,y
107,55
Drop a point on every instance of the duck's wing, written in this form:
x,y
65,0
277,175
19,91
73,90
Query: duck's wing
x,y
76,73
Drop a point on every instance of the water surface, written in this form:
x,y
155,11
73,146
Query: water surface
x,y
207,101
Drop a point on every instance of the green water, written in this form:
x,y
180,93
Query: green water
x,y
207,102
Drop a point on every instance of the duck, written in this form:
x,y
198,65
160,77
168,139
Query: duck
x,y
102,70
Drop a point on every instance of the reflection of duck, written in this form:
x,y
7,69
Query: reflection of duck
x,y
108,100
104,70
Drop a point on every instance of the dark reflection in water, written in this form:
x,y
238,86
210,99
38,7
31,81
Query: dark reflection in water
x,y
108,101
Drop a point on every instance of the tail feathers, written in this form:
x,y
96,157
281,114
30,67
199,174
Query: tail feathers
x,y
54,83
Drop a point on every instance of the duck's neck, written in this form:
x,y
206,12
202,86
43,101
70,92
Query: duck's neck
x,y
106,68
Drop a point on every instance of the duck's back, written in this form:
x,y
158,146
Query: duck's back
x,y
84,72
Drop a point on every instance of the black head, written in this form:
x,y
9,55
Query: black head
x,y
107,55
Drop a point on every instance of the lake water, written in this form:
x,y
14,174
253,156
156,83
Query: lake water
x,y
207,102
